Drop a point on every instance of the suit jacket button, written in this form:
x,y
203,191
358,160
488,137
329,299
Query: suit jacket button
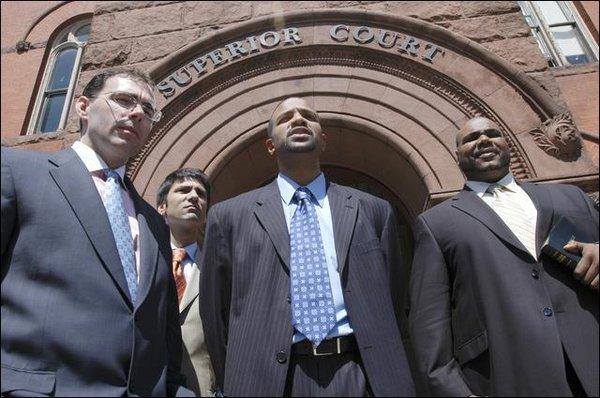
x,y
535,274
289,299
281,357
547,311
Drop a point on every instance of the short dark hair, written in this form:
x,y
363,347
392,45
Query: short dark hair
x,y
97,82
186,173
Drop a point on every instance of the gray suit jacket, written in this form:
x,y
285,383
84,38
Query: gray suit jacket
x,y
479,316
245,297
195,361
68,324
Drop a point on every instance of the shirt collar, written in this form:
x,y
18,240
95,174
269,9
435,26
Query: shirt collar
x,y
288,187
91,160
190,249
480,187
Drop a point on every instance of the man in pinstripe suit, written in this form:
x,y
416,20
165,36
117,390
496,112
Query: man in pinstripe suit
x,y
281,318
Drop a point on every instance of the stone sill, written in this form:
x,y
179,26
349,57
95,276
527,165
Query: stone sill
x,y
34,138
592,67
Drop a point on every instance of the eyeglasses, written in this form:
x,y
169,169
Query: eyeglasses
x,y
130,102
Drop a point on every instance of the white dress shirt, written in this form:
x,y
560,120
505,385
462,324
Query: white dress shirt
x,y
508,181
93,162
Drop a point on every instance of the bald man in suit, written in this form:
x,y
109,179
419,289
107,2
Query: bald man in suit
x,y
489,313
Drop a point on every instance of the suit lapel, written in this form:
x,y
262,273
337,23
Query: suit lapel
x,y
468,202
545,212
79,190
344,209
191,290
269,212
148,245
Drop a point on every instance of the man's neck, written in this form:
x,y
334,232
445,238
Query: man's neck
x,y
112,163
182,241
301,175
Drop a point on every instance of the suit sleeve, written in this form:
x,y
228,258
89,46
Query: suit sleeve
x,y
8,203
430,320
390,243
215,292
175,379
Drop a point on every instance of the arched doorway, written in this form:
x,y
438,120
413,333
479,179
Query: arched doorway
x,y
392,92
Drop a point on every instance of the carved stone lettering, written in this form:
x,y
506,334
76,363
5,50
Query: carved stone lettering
x,y
291,36
216,57
381,39
236,49
199,64
252,42
363,39
166,88
410,45
274,37
337,35
179,79
431,51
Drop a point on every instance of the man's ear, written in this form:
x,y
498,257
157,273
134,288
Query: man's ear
x,y
82,106
162,209
270,146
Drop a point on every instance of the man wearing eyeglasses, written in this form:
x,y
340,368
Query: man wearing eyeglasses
x,y
89,305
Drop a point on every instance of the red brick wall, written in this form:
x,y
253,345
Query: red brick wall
x,y
20,71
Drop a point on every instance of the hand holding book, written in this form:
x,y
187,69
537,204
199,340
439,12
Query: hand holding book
x,y
562,246
586,270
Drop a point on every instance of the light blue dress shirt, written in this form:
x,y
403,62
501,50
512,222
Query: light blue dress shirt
x,y
318,187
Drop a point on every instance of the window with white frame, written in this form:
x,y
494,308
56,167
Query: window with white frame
x,y
52,103
561,34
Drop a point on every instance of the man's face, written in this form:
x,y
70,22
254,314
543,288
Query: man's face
x,y
113,131
296,129
186,204
483,153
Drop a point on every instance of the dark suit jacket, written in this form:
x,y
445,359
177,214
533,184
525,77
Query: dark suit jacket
x,y
68,324
477,316
245,297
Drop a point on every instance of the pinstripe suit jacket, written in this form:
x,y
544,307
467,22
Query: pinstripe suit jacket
x,y
245,297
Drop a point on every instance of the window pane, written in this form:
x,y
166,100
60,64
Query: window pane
x,y
83,34
51,111
565,38
551,12
61,75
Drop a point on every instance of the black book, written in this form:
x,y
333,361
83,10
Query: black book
x,y
561,233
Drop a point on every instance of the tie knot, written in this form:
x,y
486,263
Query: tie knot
x,y
179,255
301,194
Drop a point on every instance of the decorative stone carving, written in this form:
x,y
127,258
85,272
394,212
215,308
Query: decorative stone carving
x,y
407,69
559,137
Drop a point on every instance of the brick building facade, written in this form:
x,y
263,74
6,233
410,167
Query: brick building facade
x,y
393,82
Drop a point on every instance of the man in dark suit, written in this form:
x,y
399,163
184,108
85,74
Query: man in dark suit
x,y
183,199
489,314
299,290
88,300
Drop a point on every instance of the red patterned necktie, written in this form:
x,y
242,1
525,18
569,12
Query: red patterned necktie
x,y
178,256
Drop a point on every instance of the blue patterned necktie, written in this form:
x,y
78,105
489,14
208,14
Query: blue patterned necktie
x,y
119,223
313,311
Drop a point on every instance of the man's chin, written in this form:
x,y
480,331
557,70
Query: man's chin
x,y
300,148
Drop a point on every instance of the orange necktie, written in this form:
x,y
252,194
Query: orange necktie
x,y
178,256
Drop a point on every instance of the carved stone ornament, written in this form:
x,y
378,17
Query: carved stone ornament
x,y
559,137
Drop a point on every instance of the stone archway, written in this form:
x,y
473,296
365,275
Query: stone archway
x,y
392,93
